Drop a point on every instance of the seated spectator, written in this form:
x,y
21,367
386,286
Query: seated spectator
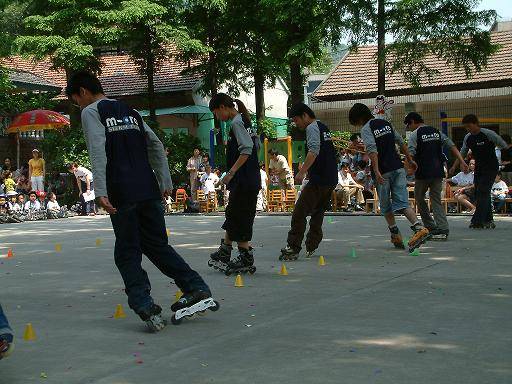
x,y
499,193
347,188
54,210
23,182
209,180
506,160
364,177
32,204
279,169
463,179
261,203
9,183
20,203
41,196
11,203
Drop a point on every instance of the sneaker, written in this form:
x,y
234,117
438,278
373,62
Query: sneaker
x,y
6,345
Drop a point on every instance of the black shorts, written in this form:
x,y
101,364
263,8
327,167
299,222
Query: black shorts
x,y
240,214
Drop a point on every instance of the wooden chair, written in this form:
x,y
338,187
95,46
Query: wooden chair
x,y
373,202
508,201
213,204
336,202
449,198
202,201
275,200
181,198
290,196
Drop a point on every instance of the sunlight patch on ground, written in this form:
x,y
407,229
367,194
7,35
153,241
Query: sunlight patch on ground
x,y
399,342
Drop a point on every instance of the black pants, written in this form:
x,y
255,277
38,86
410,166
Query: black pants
x,y
140,228
240,214
483,184
313,201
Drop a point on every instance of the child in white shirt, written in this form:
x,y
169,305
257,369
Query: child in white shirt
x,y
499,193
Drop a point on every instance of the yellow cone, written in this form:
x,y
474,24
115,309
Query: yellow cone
x,y
178,294
321,261
58,247
283,271
119,314
98,242
238,281
29,334
168,232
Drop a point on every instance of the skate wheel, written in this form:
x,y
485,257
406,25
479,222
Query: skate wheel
x,y
216,308
175,321
252,270
210,263
281,258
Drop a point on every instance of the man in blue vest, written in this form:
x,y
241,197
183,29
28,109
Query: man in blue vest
x,y
388,173
482,143
426,146
320,166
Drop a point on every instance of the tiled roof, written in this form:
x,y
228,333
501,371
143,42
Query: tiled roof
x,y
27,80
356,75
119,75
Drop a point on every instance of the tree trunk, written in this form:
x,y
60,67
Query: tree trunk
x,y
296,82
73,111
150,74
259,95
381,45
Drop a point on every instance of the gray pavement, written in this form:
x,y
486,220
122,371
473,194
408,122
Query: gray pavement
x,y
381,317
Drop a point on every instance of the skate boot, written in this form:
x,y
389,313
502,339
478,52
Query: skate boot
x,y
153,318
309,254
192,303
6,345
396,238
220,258
289,254
489,225
243,263
476,225
439,235
421,235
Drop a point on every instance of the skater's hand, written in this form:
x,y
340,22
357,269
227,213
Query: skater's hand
x,y
107,206
227,178
379,178
413,166
299,177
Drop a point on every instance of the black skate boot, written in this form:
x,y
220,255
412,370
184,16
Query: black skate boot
x,y
396,238
220,258
243,263
153,318
421,235
290,254
476,225
489,225
6,345
439,234
191,303
309,254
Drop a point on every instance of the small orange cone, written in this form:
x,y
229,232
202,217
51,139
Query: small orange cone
x,y
58,247
9,253
239,283
283,271
119,314
29,334
321,261
98,242
178,295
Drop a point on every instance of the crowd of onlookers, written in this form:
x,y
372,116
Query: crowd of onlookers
x,y
26,195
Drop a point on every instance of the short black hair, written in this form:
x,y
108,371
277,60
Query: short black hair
x,y
299,109
413,117
470,119
498,174
273,151
83,79
359,113
506,138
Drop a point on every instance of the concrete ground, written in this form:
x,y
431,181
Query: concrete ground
x,y
380,317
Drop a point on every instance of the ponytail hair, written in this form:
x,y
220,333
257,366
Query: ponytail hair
x,y
227,101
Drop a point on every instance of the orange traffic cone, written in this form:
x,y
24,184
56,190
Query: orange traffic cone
x,y
9,253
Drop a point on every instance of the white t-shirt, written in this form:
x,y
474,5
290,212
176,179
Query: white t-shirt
x,y
462,179
53,205
208,182
345,180
499,188
281,166
29,205
82,173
